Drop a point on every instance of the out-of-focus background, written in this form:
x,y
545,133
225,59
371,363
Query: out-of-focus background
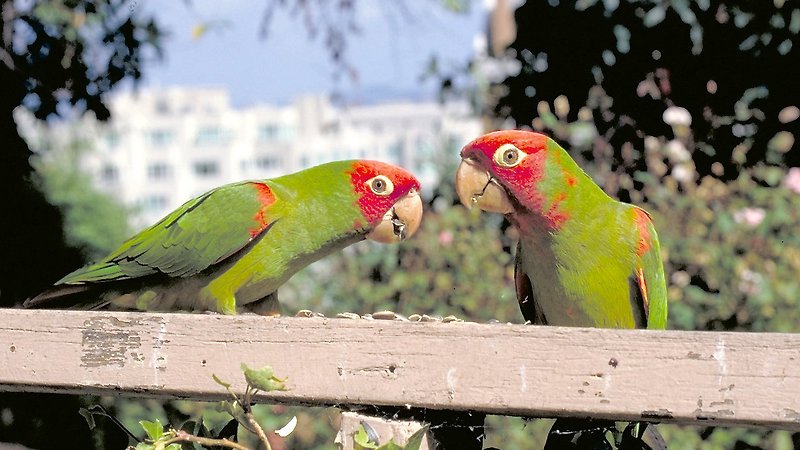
x,y
114,112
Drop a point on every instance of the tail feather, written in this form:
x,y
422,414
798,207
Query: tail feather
x,y
81,289
73,296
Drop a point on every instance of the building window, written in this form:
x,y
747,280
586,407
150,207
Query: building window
x,y
160,138
159,171
112,139
162,107
153,203
424,147
109,174
206,168
268,132
286,132
267,163
395,151
212,135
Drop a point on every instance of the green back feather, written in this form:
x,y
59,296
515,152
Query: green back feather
x,y
591,257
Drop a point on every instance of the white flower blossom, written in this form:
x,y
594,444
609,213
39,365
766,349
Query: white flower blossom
x,y
682,173
677,152
675,115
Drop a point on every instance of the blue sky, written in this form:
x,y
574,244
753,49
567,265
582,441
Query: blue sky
x,y
388,55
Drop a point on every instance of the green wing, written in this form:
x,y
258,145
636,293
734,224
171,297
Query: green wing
x,y
648,283
199,234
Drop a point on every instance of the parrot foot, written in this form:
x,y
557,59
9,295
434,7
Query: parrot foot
x,y
308,313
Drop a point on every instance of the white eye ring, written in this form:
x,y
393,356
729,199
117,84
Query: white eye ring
x,y
380,185
508,155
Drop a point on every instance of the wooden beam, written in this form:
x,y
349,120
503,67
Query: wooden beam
x,y
670,376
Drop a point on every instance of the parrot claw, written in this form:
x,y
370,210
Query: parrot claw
x,y
308,313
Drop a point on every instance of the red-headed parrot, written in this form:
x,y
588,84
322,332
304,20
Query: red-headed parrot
x,y
583,259
232,247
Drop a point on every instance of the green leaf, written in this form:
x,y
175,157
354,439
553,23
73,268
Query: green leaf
x,y
263,379
232,408
362,440
415,441
144,446
220,382
154,429
87,415
229,431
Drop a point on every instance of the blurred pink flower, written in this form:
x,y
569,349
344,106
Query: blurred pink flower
x,y
792,180
751,282
749,216
445,238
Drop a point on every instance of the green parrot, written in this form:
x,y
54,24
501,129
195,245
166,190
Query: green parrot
x,y
230,249
583,258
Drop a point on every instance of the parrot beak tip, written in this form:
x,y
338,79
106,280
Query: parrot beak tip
x,y
401,221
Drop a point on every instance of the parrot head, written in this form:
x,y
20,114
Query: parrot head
x,y
389,200
499,171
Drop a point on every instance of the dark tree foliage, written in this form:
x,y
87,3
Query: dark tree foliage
x,y
56,57
731,64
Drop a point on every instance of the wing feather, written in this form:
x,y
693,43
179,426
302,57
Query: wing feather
x,y
202,232
647,282
527,302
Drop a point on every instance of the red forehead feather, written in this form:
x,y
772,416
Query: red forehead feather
x,y
527,141
374,206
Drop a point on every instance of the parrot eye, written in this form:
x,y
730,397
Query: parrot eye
x,y
381,185
507,155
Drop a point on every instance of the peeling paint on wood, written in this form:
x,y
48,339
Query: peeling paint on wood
x,y
702,377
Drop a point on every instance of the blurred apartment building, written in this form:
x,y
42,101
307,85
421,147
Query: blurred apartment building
x,y
165,146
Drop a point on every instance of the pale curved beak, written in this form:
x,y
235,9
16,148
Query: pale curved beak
x,y
476,187
401,221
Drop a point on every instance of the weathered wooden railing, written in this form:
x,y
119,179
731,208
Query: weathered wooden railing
x,y
726,379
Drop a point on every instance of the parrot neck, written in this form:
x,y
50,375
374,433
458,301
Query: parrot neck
x,y
563,194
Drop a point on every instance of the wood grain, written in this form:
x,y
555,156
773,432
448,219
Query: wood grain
x,y
668,376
